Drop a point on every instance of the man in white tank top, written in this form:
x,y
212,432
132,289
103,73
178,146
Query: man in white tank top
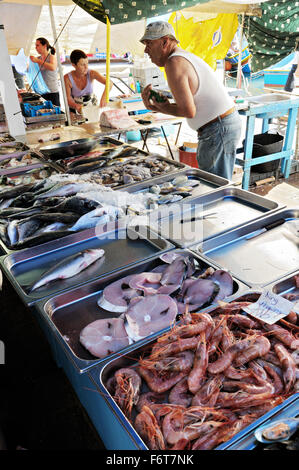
x,y
199,96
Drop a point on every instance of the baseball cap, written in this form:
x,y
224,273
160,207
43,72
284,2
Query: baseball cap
x,y
157,30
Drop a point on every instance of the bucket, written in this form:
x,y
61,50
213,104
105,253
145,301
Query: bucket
x,y
189,158
133,136
266,144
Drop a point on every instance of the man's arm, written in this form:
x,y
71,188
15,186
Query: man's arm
x,y
178,77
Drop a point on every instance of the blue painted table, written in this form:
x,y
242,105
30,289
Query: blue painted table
x,y
267,107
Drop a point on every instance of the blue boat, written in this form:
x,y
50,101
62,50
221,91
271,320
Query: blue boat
x,y
276,75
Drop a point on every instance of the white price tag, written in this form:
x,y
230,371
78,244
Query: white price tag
x,y
270,307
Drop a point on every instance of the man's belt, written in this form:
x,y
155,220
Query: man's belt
x,y
227,113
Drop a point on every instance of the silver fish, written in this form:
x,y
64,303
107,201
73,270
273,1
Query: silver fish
x,y
98,216
12,232
69,267
63,189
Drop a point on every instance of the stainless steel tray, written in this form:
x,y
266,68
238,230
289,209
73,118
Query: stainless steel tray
x,y
245,439
68,313
100,375
123,247
287,286
207,182
17,153
259,261
229,208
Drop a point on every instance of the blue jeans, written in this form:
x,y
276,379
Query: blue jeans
x,y
217,145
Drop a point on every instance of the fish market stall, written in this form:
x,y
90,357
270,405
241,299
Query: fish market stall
x,y
72,316
183,409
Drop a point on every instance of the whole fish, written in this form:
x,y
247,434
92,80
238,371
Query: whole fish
x,y
63,189
90,220
27,228
79,205
98,216
54,227
87,167
85,160
65,217
5,203
15,191
12,232
69,267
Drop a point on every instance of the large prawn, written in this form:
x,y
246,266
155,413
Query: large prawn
x,y
196,376
190,424
127,389
147,426
288,366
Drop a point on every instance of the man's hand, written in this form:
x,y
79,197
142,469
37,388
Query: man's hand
x,y
152,103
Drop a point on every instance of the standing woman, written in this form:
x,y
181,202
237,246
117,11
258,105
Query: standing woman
x,y
47,62
78,82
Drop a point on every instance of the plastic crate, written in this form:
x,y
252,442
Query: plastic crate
x,y
32,111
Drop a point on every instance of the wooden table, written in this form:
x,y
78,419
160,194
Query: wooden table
x,y
96,130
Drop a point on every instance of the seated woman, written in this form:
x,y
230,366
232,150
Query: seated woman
x,y
47,62
78,82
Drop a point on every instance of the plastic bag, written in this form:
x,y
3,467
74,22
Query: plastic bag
x,y
35,79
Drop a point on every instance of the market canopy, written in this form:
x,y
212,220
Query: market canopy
x,y
123,11
274,35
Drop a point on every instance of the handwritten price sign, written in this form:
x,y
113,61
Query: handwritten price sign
x,y
270,307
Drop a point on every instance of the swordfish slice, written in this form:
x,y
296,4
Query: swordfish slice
x,y
69,267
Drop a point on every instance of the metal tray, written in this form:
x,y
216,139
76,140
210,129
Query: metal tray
x,y
6,136
17,153
245,439
260,261
207,182
229,208
286,285
100,375
67,314
20,170
123,247
69,148
27,170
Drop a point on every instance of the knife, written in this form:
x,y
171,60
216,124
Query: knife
x,y
266,228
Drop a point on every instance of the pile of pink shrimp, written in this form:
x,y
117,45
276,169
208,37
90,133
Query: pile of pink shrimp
x,y
209,377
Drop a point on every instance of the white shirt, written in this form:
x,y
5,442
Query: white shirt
x,y
211,99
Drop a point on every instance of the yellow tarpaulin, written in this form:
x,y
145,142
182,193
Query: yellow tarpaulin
x,y
209,39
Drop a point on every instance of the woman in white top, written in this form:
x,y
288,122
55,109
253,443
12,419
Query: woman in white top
x,y
78,82
47,62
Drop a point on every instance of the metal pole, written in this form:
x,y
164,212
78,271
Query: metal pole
x,y
239,74
67,111
8,92
107,60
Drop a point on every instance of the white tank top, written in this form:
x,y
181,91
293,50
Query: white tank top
x,y
211,99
